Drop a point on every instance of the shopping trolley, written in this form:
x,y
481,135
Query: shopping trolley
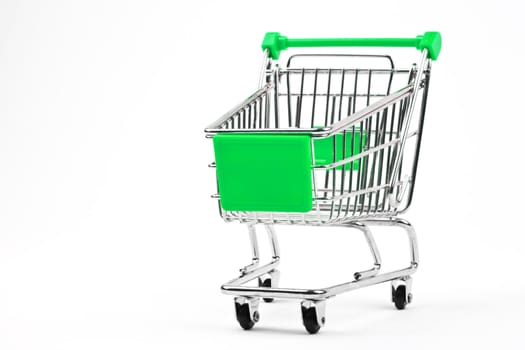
x,y
323,145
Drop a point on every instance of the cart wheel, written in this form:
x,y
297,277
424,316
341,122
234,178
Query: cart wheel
x,y
400,297
313,315
246,316
267,282
270,280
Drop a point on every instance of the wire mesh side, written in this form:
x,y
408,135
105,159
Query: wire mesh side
x,y
358,184
254,113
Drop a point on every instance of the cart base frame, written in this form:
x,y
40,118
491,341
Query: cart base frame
x,y
314,300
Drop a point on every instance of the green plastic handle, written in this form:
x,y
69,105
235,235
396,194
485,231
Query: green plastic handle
x,y
275,43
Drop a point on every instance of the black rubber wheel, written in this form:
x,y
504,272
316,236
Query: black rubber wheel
x,y
266,283
399,297
242,311
310,321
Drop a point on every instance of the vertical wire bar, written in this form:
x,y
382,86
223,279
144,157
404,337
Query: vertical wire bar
x,y
390,151
355,89
368,126
297,107
249,116
365,158
381,156
289,99
334,173
402,109
368,89
254,113
359,168
327,173
390,82
352,152
360,142
266,110
395,131
314,97
332,115
299,103
344,167
259,103
334,156
395,134
276,98
254,125
314,181
326,181
343,173
351,110
263,112
400,130
390,136
400,148
341,94
374,163
328,97
254,108
254,120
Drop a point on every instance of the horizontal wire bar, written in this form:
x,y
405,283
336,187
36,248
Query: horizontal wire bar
x,y
332,95
346,70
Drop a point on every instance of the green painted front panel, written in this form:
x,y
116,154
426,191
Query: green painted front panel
x,y
264,172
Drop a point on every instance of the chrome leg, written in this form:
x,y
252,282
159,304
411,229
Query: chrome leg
x,y
274,244
253,270
255,251
373,249
365,278
384,277
409,229
271,279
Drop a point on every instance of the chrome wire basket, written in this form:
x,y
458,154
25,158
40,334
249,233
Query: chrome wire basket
x,y
327,139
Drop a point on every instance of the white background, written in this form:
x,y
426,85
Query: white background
x,y
108,236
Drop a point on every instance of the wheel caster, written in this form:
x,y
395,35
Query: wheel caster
x,y
270,280
246,311
313,313
401,292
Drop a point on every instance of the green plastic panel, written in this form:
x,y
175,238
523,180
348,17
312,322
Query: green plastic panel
x,y
324,149
275,43
264,172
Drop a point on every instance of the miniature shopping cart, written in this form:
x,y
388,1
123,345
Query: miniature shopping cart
x,y
326,140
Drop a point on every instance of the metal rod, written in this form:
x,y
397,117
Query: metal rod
x,y
315,95
411,107
328,97
274,244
